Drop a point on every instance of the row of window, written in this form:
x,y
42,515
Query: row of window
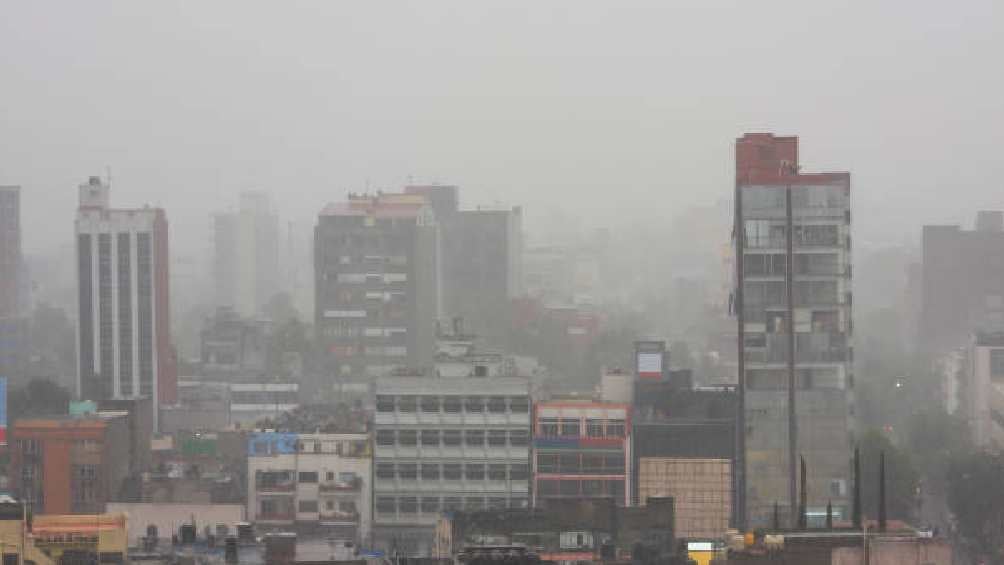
x,y
453,471
453,404
265,479
453,438
347,507
389,505
775,264
583,487
580,463
578,427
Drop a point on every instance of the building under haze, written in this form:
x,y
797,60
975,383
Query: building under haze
x,y
376,270
123,328
246,254
481,252
13,322
793,264
962,282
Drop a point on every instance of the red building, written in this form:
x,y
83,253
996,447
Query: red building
x,y
67,465
582,449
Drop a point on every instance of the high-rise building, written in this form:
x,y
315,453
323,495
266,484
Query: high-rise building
x,y
13,322
962,282
793,304
246,254
123,323
376,269
481,261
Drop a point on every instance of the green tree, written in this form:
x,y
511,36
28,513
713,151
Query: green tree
x,y
901,477
40,397
976,498
935,438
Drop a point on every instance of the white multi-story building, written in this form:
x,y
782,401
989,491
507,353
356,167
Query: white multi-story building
x,y
446,444
123,323
246,254
313,481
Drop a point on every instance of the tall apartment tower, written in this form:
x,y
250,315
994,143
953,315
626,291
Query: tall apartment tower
x,y
246,254
376,269
123,323
481,261
793,304
13,321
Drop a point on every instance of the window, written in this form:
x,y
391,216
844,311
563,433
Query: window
x,y
475,404
451,405
615,428
452,503
384,403
329,505
329,476
547,463
308,477
430,471
474,471
496,503
496,472
407,471
406,404
548,427
407,438
496,438
451,438
594,428
519,405
519,472
474,438
997,362
430,438
430,404
519,438
592,487
570,428
547,487
474,504
430,505
569,463
385,437
452,471
592,464
496,405
615,488
568,488
407,505
308,506
614,463
386,505
385,471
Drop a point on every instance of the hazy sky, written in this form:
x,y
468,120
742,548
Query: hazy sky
x,y
596,108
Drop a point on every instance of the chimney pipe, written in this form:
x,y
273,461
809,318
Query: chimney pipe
x,y
857,489
882,509
803,514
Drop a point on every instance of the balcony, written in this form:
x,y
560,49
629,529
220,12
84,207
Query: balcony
x,y
352,485
340,517
277,488
276,517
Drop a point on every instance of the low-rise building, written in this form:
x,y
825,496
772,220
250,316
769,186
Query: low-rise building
x,y
312,482
582,449
70,465
446,444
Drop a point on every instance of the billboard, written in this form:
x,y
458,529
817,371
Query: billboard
x,y
3,410
649,356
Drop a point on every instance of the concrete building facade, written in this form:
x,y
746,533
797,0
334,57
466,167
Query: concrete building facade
x,y
376,271
446,444
962,282
793,305
246,254
70,465
13,302
123,324
314,481
581,449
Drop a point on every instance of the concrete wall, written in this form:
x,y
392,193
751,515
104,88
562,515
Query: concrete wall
x,y
897,551
169,517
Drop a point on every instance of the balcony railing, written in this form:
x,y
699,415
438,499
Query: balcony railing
x,y
339,516
352,485
277,487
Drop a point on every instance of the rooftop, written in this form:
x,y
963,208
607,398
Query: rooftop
x,y
379,205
